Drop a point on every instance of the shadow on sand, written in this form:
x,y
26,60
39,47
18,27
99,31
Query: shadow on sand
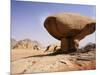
x,y
57,52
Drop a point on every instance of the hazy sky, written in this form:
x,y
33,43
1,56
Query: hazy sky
x,y
28,18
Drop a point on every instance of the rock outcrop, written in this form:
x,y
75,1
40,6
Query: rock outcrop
x,y
13,42
70,28
53,47
53,63
88,47
27,44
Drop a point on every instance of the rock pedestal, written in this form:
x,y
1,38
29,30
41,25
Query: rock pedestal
x,y
68,45
70,28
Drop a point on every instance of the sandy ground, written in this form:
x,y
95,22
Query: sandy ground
x,y
21,53
36,61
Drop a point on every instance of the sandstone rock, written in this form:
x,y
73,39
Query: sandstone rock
x,y
27,44
55,63
13,42
53,47
88,47
70,28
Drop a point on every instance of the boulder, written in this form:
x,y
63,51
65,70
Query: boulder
x,y
53,47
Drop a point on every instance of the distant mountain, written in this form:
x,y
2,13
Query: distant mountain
x,y
27,44
89,47
13,42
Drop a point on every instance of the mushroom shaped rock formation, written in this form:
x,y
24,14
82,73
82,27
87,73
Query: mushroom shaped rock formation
x,y
70,28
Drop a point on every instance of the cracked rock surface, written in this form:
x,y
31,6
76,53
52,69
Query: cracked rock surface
x,y
39,61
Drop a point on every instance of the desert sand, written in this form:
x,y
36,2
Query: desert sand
x,y
25,61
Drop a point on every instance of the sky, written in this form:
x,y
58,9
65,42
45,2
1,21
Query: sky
x,y
27,19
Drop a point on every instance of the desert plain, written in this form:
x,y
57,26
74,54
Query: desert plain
x,y
40,60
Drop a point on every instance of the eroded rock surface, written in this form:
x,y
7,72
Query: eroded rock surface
x,y
39,62
53,47
27,44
